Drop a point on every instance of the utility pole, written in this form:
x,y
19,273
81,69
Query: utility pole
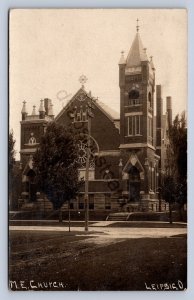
x,y
90,115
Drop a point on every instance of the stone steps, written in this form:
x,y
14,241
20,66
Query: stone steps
x,y
118,217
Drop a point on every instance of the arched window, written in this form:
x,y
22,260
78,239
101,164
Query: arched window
x,y
107,175
134,174
32,139
149,100
134,94
134,184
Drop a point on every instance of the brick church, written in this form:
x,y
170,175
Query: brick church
x,y
127,156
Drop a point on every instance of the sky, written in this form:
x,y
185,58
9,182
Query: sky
x,y
51,48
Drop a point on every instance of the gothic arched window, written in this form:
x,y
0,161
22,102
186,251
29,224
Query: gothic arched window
x,y
32,139
149,100
134,94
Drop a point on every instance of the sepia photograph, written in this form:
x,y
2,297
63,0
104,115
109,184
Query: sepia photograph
x,y
97,150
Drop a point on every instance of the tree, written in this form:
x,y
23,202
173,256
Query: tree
x,y
56,166
12,151
178,138
168,191
11,163
174,187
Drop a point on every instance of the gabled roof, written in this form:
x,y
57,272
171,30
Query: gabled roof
x,y
109,112
137,54
68,104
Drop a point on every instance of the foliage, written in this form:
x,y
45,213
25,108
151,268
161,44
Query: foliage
x,y
11,151
169,188
14,174
15,184
56,166
175,178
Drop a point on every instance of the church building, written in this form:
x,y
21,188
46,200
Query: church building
x,y
127,150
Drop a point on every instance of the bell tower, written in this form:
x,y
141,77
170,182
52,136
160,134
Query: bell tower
x,y
137,142
136,81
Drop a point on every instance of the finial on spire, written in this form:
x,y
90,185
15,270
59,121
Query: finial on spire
x,y
24,108
122,59
82,80
151,63
137,26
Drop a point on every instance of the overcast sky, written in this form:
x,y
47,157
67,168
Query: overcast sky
x,y
50,49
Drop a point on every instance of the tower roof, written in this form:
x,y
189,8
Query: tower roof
x,y
137,53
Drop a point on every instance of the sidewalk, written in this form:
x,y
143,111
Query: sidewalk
x,y
108,232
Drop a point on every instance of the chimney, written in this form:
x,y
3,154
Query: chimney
x,y
24,111
159,115
159,106
34,110
41,110
50,111
169,109
47,103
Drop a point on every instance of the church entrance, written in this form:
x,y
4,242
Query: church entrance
x,y
134,184
32,189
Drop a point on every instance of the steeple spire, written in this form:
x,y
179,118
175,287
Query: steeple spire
x,y
137,53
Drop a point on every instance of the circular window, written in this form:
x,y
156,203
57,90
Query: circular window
x,y
82,153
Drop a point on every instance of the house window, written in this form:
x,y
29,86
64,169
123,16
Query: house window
x,y
130,125
137,125
150,134
134,125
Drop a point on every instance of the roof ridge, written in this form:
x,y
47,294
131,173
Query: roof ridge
x,y
108,111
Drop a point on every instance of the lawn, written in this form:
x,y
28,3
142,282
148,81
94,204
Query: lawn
x,y
64,261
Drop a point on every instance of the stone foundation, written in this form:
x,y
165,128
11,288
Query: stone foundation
x,y
147,203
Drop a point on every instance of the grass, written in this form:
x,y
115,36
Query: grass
x,y
82,264
48,223
147,224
